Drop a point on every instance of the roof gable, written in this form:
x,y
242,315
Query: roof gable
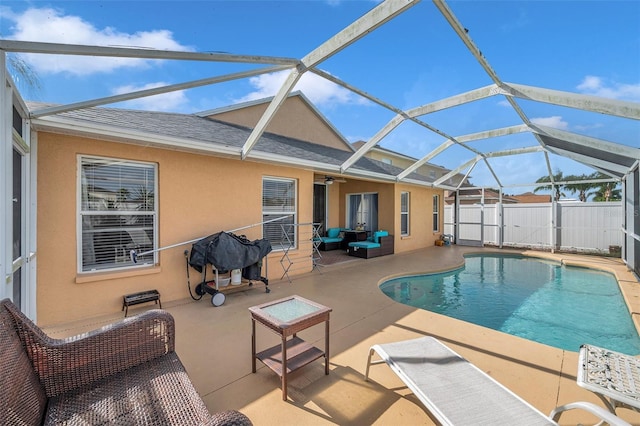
x,y
298,118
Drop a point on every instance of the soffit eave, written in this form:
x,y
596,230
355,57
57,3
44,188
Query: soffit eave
x,y
121,135
113,134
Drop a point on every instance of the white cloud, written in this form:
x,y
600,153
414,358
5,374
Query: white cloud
x,y
597,86
53,26
164,102
555,121
586,127
320,91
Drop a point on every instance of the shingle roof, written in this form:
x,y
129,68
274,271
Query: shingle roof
x,y
207,130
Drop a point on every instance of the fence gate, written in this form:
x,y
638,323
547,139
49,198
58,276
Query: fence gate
x,y
470,226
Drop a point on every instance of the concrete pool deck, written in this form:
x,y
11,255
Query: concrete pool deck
x,y
214,343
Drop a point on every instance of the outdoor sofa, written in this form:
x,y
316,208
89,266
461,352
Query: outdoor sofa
x,y
126,373
332,240
379,244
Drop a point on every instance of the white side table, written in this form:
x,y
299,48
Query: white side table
x,y
613,376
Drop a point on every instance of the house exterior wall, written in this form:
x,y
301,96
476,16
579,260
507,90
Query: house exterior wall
x,y
421,211
334,220
421,232
198,196
294,119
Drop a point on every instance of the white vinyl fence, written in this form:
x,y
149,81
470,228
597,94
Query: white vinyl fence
x,y
571,226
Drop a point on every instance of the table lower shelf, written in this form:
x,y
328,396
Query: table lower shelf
x,y
299,354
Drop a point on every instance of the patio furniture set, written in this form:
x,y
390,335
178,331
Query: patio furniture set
x,y
128,373
357,242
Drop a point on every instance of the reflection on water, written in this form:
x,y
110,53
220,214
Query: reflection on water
x,y
531,298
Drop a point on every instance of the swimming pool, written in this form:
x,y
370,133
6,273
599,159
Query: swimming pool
x,y
543,301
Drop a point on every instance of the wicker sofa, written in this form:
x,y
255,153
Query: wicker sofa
x,y
379,244
332,240
126,373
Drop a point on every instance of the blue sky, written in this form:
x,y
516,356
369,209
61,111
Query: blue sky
x,y
588,47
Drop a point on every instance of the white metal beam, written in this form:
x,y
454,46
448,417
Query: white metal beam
x,y
586,141
463,98
373,19
270,112
515,151
589,161
454,172
493,173
392,124
488,134
43,112
464,36
463,139
412,168
352,33
354,89
6,174
402,115
466,176
126,52
573,100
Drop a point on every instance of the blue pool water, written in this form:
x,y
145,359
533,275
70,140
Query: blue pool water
x,y
539,300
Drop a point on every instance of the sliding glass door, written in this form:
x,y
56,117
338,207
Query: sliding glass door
x,y
362,211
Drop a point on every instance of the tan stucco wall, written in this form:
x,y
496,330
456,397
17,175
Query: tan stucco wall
x,y
294,119
421,211
420,217
334,220
198,196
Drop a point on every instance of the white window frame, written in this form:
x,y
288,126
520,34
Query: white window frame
x,y
405,213
359,220
287,224
436,213
123,264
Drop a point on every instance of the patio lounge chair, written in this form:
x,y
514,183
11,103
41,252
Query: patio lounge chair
x,y
458,393
125,373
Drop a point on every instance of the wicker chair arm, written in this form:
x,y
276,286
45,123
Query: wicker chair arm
x,y
65,364
229,418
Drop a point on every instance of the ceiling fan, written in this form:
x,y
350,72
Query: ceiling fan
x,y
328,180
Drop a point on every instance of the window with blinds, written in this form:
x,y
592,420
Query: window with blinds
x,y
118,210
278,200
404,213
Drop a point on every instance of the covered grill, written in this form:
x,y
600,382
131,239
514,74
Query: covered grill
x,y
225,252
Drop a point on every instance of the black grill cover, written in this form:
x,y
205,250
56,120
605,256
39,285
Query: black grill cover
x,y
227,251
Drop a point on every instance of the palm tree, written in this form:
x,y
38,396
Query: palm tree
x,y
580,188
607,191
22,73
557,177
